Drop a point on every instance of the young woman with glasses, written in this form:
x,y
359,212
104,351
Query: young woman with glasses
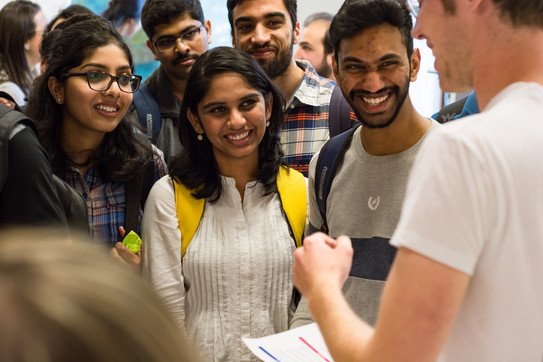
x,y
79,104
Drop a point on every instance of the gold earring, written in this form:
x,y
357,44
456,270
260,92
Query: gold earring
x,y
267,123
200,137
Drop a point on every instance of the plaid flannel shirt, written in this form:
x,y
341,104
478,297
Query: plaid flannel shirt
x,y
305,127
106,201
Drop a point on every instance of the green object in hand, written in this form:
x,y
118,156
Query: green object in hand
x,y
133,242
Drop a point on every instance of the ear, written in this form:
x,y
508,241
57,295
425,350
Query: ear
x,y
207,26
195,122
415,65
269,105
57,89
296,33
335,68
151,47
330,59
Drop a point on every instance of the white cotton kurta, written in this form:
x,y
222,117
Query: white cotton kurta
x,y
235,279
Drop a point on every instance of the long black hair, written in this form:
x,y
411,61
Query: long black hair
x,y
122,153
17,27
196,166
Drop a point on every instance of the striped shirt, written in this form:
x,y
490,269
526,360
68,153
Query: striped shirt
x,y
106,201
305,127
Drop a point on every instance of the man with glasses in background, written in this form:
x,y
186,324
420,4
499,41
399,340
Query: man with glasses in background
x,y
177,35
465,284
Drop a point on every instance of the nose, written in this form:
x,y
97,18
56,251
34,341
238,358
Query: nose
x,y
113,89
236,119
373,82
416,32
260,34
180,46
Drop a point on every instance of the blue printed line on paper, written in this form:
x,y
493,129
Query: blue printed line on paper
x,y
268,353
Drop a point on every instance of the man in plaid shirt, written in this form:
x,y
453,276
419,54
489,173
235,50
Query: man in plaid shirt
x,y
268,30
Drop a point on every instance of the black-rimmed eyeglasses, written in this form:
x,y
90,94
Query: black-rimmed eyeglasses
x,y
168,42
101,81
414,7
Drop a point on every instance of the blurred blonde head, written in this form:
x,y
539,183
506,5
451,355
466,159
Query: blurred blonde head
x,y
65,300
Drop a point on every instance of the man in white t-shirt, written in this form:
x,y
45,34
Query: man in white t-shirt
x,y
465,284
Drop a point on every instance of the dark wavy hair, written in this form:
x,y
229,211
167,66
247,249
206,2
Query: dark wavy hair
x,y
291,5
17,27
196,166
158,12
123,152
355,16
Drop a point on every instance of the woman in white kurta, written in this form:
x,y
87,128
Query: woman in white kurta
x,y
234,280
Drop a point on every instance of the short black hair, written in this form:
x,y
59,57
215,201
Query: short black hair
x,y
66,13
291,5
355,16
318,16
158,12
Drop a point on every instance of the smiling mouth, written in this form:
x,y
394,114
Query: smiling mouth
x,y
375,101
238,137
106,108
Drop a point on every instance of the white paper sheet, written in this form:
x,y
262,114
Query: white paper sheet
x,y
299,344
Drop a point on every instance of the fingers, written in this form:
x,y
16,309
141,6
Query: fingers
x,y
122,231
124,255
7,103
115,254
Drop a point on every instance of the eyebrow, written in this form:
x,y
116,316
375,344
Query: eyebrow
x,y
103,67
190,27
382,59
267,16
214,104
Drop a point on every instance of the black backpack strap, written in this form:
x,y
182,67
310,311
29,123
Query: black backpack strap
x,y
9,118
330,157
339,116
148,111
137,190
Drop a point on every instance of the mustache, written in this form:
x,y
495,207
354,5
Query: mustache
x,y
184,57
260,46
362,93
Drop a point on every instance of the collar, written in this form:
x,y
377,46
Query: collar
x,y
161,87
311,87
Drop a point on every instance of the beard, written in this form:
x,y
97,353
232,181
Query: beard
x,y
387,119
279,64
324,69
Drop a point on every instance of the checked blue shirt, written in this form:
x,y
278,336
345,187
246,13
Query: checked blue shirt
x,y
106,201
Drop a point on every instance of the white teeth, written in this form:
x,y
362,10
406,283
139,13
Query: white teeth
x,y
238,137
375,101
105,108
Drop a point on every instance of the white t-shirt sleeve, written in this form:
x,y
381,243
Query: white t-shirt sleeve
x,y
162,247
445,212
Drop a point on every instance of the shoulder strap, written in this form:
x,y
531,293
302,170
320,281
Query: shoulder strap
x,y
148,111
330,157
8,119
189,213
293,194
137,190
339,117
